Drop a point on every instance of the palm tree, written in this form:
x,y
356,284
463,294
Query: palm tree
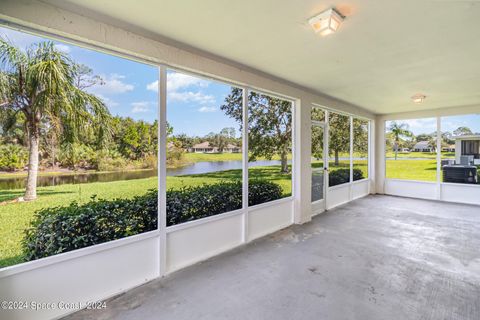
x,y
432,141
38,85
398,130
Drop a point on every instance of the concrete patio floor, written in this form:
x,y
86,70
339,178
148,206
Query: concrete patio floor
x,y
379,257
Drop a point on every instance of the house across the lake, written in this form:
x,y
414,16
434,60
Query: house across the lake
x,y
206,147
449,148
423,146
468,145
401,149
203,147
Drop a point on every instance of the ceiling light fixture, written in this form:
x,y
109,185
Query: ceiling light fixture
x,y
418,98
326,22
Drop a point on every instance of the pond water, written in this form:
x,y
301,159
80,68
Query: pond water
x,y
195,168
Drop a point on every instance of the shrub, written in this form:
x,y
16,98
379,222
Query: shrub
x,y
13,157
175,154
357,174
150,162
191,203
61,229
341,176
77,155
111,164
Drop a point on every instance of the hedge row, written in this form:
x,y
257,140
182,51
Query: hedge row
x,y
61,229
340,176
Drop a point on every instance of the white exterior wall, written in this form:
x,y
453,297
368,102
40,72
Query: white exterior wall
x,y
458,150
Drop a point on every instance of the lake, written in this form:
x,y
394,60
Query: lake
x,y
195,168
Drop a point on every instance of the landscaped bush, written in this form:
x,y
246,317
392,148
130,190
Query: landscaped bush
x,y
191,203
12,157
357,174
61,229
341,176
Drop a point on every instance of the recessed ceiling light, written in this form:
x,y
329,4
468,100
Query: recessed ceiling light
x,y
326,22
418,98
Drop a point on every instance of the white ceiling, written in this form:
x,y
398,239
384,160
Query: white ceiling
x,y
386,50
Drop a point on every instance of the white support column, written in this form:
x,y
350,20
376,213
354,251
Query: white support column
x,y
245,164
439,157
326,154
380,163
371,157
302,184
162,172
351,159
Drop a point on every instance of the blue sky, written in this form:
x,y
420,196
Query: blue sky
x,y
451,123
130,89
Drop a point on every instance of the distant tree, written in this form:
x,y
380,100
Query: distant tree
x,y
228,133
339,126
40,84
222,139
423,137
186,141
462,131
270,124
339,134
136,139
360,135
218,141
447,138
85,78
317,114
398,130
317,142
432,141
169,129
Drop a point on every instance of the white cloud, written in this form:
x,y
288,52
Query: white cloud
x,y
113,83
63,47
189,96
140,107
207,109
177,83
153,86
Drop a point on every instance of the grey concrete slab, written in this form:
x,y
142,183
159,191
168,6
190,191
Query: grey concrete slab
x,y
379,257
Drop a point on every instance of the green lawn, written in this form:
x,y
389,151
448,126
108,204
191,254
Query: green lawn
x,y
200,157
426,155
421,170
15,217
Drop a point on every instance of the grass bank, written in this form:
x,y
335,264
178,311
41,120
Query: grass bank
x,y
15,217
420,170
418,155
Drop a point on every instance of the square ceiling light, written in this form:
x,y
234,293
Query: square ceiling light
x,y
418,98
326,22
